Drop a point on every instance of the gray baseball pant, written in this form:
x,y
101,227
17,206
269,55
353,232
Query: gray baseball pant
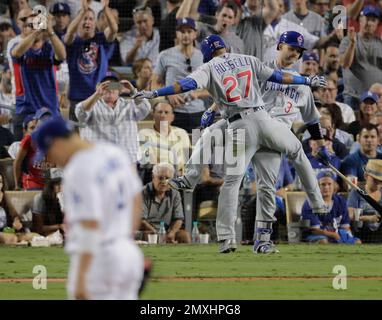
x,y
260,130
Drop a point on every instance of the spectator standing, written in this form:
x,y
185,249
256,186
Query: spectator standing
x,y
329,97
361,56
353,165
6,34
161,203
102,24
177,63
371,230
333,227
25,31
225,19
164,142
142,41
367,115
88,53
61,13
354,9
109,117
251,27
35,59
167,29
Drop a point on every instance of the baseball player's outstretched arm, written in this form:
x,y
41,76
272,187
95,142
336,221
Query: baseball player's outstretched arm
x,y
288,78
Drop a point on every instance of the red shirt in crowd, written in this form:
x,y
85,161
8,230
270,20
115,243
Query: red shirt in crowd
x,y
34,177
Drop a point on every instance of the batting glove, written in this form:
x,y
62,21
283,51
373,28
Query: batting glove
x,y
316,81
323,155
145,94
207,118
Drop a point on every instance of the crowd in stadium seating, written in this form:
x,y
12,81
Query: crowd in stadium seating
x,y
146,44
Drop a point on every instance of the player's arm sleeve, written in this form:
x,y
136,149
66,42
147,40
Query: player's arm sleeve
x,y
263,72
178,213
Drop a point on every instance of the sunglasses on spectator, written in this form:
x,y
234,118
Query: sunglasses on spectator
x,y
142,9
29,25
189,67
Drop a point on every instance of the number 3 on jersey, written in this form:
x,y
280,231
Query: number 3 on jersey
x,y
232,82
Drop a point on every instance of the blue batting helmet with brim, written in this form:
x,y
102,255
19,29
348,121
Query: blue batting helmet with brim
x,y
292,38
209,45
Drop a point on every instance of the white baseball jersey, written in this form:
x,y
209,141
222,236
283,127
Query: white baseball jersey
x,y
233,81
100,184
287,103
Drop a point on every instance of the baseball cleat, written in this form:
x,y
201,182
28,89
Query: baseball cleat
x,y
227,246
265,247
179,184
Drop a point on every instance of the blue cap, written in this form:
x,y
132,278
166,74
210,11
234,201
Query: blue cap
x,y
326,174
42,112
46,132
370,11
209,45
60,7
310,56
185,22
27,119
110,75
369,95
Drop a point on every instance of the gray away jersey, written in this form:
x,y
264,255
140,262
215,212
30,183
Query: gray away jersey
x,y
233,81
285,102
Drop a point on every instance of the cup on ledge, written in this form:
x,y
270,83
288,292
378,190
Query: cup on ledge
x,y
357,213
204,238
152,238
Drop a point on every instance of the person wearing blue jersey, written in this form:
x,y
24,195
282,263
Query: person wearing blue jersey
x,y
35,59
88,52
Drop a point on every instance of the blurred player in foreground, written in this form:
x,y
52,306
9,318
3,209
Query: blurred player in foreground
x,y
102,203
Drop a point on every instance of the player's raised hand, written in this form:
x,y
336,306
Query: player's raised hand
x,y
317,81
207,118
145,94
85,5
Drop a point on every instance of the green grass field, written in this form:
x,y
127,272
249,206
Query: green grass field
x,y
199,272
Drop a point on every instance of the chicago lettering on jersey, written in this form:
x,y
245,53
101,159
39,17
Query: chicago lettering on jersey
x,y
285,89
231,64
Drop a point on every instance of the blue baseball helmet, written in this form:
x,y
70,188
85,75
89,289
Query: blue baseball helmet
x,y
209,45
294,39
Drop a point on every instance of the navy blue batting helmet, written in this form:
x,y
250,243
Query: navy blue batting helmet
x,y
293,39
209,45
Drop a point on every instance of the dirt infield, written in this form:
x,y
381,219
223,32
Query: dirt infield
x,y
208,279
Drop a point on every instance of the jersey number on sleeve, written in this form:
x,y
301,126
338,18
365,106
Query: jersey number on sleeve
x,y
233,82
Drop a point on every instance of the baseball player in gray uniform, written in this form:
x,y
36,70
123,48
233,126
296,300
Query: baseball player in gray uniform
x,y
285,103
233,82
